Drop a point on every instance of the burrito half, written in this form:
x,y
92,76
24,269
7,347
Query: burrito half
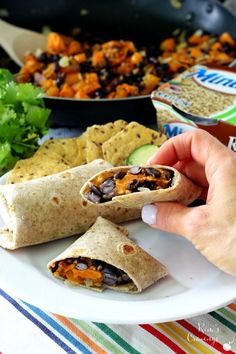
x,y
51,207
104,257
139,185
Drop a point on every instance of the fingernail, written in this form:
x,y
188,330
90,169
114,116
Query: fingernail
x,y
149,161
149,214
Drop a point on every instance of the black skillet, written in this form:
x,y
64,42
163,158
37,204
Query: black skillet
x,y
145,22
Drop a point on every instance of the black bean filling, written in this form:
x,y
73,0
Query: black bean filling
x,y
112,276
148,178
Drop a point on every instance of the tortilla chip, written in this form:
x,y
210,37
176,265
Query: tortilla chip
x,y
53,156
72,150
97,135
81,150
36,167
119,147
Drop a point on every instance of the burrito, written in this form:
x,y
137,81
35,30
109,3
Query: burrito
x,y
51,207
135,186
104,257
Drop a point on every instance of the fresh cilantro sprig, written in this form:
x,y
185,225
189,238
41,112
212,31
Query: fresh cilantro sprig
x,y
23,120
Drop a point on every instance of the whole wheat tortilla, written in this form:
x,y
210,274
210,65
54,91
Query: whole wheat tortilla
x,y
51,207
107,242
182,190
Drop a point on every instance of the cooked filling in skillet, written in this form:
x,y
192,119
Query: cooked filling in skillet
x,y
90,272
86,68
135,179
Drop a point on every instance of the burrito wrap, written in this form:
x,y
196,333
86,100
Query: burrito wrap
x,y
181,189
106,242
51,208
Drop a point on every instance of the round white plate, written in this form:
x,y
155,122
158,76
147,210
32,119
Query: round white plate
x,y
193,287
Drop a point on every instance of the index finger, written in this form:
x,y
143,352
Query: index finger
x,y
196,145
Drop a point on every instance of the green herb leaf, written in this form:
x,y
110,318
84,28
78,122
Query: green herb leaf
x,y
23,120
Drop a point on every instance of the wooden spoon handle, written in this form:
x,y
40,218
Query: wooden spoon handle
x,y
8,32
16,41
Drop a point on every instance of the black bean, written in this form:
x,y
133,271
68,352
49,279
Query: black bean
x,y
93,197
181,69
56,67
166,174
81,266
88,52
166,77
149,184
150,171
119,272
108,186
98,94
104,72
53,58
56,58
129,53
153,60
70,260
97,262
133,185
109,275
60,80
125,277
43,58
133,79
109,279
227,48
135,170
95,189
109,196
55,267
86,67
118,80
119,175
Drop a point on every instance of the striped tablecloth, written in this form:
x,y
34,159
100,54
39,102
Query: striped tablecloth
x,y
26,329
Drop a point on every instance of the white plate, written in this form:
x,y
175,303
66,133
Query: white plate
x,y
193,287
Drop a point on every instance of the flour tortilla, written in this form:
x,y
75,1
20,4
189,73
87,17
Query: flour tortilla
x,y
107,242
182,190
51,207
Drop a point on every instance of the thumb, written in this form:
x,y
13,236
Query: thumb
x,y
169,217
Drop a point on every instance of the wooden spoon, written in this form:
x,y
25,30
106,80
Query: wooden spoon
x,y
16,41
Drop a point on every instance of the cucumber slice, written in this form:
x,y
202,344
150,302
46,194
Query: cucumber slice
x,y
141,155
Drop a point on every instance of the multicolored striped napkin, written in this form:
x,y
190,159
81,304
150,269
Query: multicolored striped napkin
x,y
25,329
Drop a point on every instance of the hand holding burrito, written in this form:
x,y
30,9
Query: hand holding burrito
x,y
104,257
210,227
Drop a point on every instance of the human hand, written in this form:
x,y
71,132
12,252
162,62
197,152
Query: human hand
x,y
210,227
